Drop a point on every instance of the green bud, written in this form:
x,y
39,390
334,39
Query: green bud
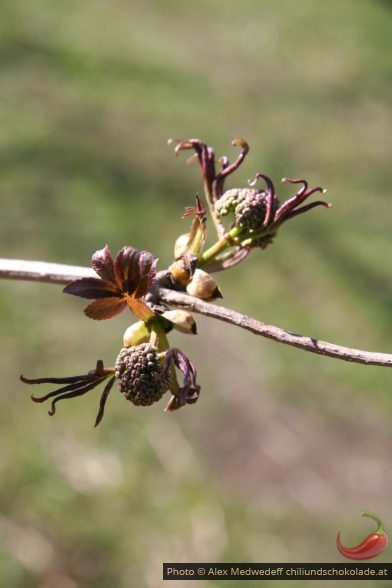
x,y
182,321
136,334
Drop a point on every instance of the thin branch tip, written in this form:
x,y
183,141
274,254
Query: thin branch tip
x,y
62,274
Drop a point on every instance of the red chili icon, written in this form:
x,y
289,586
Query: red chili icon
x,y
370,547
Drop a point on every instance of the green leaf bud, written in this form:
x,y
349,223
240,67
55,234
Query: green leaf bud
x,y
136,334
182,321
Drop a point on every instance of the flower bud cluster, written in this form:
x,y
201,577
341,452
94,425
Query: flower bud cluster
x,y
146,366
138,373
229,200
248,206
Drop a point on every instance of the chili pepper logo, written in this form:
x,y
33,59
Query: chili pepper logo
x,y
370,547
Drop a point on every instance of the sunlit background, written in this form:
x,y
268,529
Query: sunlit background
x,y
284,448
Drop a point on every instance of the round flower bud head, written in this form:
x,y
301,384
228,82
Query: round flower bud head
x,y
181,245
135,334
229,201
202,285
137,371
250,211
182,321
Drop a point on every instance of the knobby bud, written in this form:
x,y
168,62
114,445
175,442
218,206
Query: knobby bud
x,y
247,205
137,371
203,285
182,321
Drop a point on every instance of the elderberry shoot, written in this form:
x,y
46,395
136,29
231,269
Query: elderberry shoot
x,y
146,366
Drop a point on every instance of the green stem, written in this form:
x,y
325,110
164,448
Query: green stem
x,y
254,236
228,240
197,239
380,529
156,327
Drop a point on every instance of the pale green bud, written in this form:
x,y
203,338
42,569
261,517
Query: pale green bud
x,y
136,334
182,320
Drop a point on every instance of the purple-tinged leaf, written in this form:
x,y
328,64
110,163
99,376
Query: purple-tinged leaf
x,y
135,271
147,271
124,265
102,262
285,210
105,308
287,206
103,400
305,208
68,379
92,288
190,390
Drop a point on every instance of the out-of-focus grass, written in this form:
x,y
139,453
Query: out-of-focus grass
x,y
284,448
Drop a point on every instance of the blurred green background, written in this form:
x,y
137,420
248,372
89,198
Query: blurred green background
x,y
284,448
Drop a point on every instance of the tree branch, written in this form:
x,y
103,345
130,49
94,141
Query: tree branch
x,y
62,274
311,344
41,271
